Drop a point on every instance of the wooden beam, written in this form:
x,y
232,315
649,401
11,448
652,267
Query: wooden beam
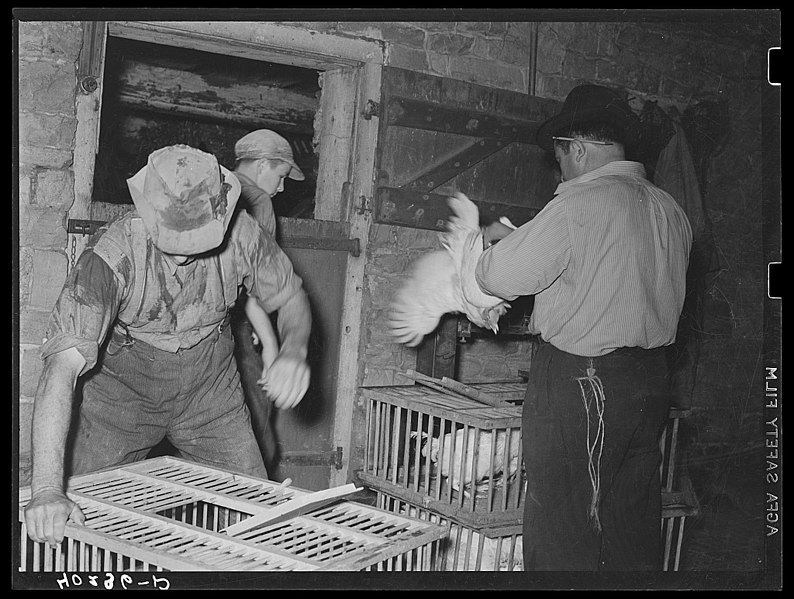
x,y
282,43
396,206
171,90
418,114
452,166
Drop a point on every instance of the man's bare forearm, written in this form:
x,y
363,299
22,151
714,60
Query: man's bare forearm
x,y
295,325
52,413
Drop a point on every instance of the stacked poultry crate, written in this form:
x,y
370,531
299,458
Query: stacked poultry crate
x,y
166,514
438,455
424,443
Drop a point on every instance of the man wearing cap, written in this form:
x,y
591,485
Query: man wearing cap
x,y
264,160
606,260
156,285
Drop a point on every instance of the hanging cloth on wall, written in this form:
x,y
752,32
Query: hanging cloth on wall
x,y
675,172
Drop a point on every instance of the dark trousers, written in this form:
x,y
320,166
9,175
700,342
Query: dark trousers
x,y
559,532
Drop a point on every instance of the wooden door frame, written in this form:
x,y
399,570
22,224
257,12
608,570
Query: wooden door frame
x,y
346,170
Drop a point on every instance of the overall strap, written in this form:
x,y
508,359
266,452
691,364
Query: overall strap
x,y
140,247
228,271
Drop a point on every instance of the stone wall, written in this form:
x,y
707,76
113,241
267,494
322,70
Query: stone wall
x,y
47,55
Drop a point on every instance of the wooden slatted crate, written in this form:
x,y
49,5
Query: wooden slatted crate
x,y
169,514
446,452
395,412
467,549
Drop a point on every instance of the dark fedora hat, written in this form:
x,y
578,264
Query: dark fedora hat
x,y
590,104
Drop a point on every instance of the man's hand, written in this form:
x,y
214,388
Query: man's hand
x,y
287,380
46,515
497,230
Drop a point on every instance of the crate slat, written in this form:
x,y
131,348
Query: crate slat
x,y
165,514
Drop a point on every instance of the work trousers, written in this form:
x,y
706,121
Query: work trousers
x,y
560,429
140,395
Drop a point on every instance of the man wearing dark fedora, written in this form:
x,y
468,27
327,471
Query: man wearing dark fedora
x,y
606,260
142,323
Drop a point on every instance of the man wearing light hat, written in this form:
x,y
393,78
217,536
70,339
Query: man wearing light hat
x,y
156,285
606,260
263,161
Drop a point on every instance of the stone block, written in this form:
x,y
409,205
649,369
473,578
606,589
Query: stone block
x,y
405,34
481,47
47,87
32,325
577,66
439,63
48,275
49,132
25,274
550,55
510,52
46,157
30,368
42,228
450,43
54,188
56,40
407,58
478,27
25,184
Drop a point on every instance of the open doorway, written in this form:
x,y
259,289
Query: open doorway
x,y
155,95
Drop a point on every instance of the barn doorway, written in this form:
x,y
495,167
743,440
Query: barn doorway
x,y
156,95
209,82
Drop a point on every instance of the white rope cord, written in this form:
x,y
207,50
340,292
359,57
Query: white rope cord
x,y
595,447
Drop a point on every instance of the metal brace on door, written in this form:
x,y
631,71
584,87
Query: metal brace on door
x,y
372,108
314,458
83,227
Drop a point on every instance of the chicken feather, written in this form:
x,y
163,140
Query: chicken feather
x,y
442,282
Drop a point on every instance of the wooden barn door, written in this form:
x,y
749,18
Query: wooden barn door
x,y
327,251
440,135
319,251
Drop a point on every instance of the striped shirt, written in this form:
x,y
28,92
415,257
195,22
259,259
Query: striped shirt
x,y
606,260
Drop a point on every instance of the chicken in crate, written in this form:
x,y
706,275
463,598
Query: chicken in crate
x,y
466,549
446,452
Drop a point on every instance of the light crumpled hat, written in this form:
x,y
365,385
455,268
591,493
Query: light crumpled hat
x,y
264,143
185,198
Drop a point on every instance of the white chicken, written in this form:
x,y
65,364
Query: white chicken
x,y
442,282
483,470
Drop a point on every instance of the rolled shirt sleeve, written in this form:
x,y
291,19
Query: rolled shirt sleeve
x,y
85,309
267,272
